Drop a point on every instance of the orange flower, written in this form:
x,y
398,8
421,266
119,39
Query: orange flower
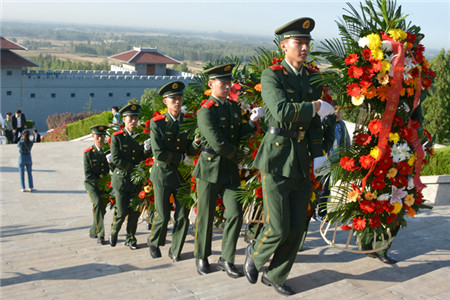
x,y
351,59
411,212
353,196
383,92
258,87
172,199
410,91
370,92
353,90
208,92
359,223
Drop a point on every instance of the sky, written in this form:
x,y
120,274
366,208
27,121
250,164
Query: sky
x,y
228,16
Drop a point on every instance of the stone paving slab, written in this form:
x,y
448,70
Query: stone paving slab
x,y
46,252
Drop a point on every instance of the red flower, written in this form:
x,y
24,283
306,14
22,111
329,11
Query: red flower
x,y
367,54
121,126
258,192
151,198
414,124
378,184
359,223
363,139
189,116
111,200
375,127
376,65
379,172
399,181
374,222
351,59
391,218
146,130
149,182
379,207
109,184
398,121
366,161
419,197
367,207
149,161
142,194
219,201
109,140
355,72
364,84
346,227
410,38
147,123
254,153
353,90
347,163
403,168
195,161
156,113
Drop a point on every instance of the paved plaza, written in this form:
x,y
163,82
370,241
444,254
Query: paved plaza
x,y
47,254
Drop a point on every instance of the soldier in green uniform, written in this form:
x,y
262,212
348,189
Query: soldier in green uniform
x,y
95,168
221,126
294,134
126,153
169,146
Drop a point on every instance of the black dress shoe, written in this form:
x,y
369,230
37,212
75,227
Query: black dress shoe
x,y
203,266
112,240
172,257
383,258
154,251
231,270
250,270
283,290
101,240
133,246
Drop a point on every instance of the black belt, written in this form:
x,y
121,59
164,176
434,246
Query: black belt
x,y
209,150
298,135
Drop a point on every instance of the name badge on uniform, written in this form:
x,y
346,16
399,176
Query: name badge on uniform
x,y
168,132
223,118
290,91
125,145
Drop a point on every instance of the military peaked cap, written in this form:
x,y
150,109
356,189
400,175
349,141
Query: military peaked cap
x,y
174,88
298,29
222,73
99,129
130,110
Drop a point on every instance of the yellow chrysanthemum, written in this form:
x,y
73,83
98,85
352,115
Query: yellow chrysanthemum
x,y
409,199
394,137
243,182
397,208
398,34
357,101
377,54
385,66
147,189
313,197
374,152
392,173
412,160
369,196
374,41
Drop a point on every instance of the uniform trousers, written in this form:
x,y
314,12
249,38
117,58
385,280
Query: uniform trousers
x,y
161,219
285,203
123,209
98,210
208,193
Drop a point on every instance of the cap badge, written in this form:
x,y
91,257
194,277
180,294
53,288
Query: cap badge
x,y
133,107
306,24
175,85
101,128
227,68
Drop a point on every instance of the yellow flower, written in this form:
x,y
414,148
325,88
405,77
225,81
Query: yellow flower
x,y
397,208
242,182
163,111
377,53
409,199
147,189
412,159
394,137
383,78
385,66
392,173
369,196
313,197
374,152
353,196
357,101
397,34
426,64
374,41
217,208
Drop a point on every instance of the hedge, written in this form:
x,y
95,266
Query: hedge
x,y
439,163
82,127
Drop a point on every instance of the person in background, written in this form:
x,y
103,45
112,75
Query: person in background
x,y
19,123
37,136
25,161
8,129
116,118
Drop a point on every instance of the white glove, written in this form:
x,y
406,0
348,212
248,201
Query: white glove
x,y
318,163
325,109
257,113
108,158
147,144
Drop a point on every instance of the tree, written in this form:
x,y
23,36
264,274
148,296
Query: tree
x,y
436,106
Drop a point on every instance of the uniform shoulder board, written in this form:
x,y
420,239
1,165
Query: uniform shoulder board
x,y
209,104
88,149
159,117
118,132
312,69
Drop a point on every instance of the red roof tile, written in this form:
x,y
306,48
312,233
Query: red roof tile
x,y
7,44
143,56
11,59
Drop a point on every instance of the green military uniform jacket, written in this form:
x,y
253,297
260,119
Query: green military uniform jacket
x,y
222,128
169,146
126,153
95,165
288,105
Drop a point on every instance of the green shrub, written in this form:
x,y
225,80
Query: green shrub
x,y
82,127
439,163
30,124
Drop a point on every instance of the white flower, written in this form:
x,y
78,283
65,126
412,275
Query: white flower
x,y
397,194
386,46
383,197
410,182
246,107
390,57
363,42
184,109
400,152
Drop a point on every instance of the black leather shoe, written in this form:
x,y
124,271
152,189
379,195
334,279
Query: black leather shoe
x,y
112,240
203,266
384,259
250,270
231,270
101,240
283,290
172,257
154,251
133,246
